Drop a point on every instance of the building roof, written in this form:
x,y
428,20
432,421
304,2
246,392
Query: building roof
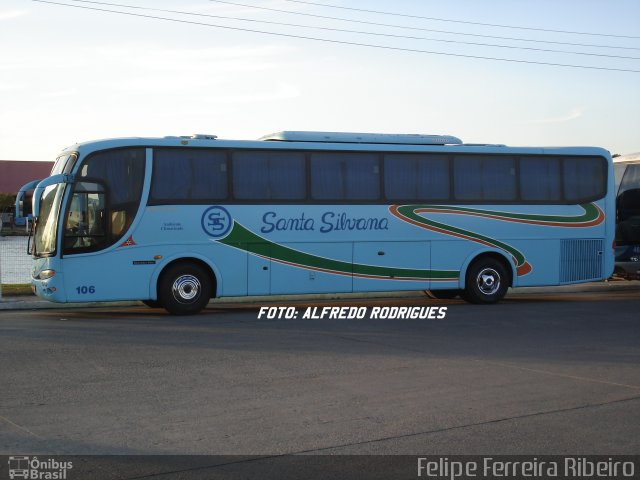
x,y
15,173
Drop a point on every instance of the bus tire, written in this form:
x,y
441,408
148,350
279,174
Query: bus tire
x,y
184,289
446,294
487,281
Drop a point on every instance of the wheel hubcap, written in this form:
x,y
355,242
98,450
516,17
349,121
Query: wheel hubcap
x,y
488,281
186,288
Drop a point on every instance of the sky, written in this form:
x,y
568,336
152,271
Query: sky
x,y
71,74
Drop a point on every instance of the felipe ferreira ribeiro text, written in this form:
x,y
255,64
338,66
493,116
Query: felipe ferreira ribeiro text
x,y
490,467
352,313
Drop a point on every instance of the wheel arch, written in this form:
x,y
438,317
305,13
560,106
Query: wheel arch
x,y
495,254
211,269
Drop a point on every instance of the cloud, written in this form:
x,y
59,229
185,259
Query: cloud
x,y
59,93
155,54
9,14
283,92
9,87
572,114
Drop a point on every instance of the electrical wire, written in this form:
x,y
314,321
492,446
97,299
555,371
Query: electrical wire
x,y
326,17
395,14
341,30
326,40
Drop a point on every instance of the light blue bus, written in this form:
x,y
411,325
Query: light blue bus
x,y
176,221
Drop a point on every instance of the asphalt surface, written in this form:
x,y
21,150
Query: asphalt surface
x,y
536,374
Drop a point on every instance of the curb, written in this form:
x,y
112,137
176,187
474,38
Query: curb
x,y
31,303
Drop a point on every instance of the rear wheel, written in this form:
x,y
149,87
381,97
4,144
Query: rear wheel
x,y
184,289
487,281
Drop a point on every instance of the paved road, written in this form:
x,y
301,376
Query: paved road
x,y
537,374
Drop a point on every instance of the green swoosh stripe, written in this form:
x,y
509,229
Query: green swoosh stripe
x,y
591,214
246,240
408,211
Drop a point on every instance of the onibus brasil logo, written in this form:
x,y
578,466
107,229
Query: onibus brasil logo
x,y
36,469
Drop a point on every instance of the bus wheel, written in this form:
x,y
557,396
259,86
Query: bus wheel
x,y
184,289
443,294
487,281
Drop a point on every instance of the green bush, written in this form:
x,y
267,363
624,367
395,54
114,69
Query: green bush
x,y
7,200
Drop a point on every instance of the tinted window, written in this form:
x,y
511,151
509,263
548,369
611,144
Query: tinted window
x,y
188,175
269,175
618,170
85,227
628,206
64,164
345,176
584,178
122,173
631,179
540,179
416,177
484,178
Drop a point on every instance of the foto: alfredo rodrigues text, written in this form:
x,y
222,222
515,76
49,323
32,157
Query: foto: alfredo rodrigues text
x,y
352,313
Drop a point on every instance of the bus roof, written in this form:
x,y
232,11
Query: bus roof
x,y
631,157
373,138
356,142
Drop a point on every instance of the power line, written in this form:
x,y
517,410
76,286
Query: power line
x,y
388,35
395,14
326,40
378,24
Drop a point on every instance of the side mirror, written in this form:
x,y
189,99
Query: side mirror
x,y
52,180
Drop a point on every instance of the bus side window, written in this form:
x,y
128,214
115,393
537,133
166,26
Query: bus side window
x,y
122,173
483,178
584,178
274,175
540,179
85,222
183,176
416,177
345,176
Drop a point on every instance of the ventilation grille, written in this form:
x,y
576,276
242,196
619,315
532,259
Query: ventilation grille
x,y
580,260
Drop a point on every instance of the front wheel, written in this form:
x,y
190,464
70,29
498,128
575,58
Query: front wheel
x,y
487,281
184,289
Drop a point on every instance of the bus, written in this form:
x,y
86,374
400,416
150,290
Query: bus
x,y
627,189
177,221
8,218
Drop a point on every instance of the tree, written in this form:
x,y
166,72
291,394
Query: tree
x,y
7,200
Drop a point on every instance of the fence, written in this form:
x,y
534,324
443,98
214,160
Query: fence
x,y
15,263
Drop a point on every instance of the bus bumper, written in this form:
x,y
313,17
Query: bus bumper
x,y
51,289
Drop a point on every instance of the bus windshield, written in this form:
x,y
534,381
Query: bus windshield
x,y
46,229
628,207
64,163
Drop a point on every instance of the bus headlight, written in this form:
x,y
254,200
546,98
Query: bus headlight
x,y
45,274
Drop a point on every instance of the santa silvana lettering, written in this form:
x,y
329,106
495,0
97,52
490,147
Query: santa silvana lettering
x,y
341,221
329,222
